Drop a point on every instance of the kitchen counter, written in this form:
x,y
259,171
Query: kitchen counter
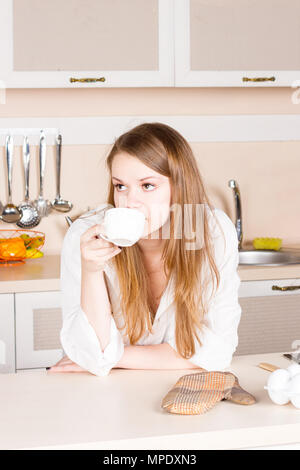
x,y
259,273
123,411
43,274
35,275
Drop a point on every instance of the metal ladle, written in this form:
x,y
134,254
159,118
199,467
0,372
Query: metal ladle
x,y
59,204
11,213
42,205
30,216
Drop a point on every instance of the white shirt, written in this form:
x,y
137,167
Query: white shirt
x,y
219,331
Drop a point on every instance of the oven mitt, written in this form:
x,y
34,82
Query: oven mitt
x,y
239,395
195,394
198,393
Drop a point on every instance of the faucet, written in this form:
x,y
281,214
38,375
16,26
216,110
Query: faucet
x,y
238,211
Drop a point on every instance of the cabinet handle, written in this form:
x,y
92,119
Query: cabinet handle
x,y
259,79
87,80
285,288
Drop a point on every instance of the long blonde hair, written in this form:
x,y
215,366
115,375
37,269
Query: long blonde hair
x,y
165,151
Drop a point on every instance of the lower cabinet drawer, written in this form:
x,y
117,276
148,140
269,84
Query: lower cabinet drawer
x,y
270,320
38,325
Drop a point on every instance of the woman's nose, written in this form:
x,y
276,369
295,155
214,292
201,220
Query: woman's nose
x,y
130,200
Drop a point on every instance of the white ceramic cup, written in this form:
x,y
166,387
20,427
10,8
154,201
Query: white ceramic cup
x,y
122,226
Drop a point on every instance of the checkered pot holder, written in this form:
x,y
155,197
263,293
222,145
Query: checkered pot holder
x,y
198,393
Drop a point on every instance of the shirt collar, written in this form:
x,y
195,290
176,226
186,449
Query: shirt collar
x,y
166,299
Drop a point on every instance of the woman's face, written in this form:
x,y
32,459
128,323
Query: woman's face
x,y
152,195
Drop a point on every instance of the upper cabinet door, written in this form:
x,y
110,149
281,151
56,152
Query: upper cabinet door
x,y
237,43
116,43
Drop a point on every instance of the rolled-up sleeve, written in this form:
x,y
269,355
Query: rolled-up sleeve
x,y
218,334
78,338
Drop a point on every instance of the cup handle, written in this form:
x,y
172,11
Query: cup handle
x,y
105,238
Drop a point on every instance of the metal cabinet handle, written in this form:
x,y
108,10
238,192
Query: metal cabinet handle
x,y
285,288
87,80
259,79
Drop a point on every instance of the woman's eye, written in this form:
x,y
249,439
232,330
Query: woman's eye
x,y
145,184
116,185
148,184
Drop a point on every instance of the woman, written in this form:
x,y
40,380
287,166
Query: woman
x,y
165,302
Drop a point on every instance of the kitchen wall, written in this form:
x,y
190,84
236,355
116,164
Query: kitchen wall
x,y
268,173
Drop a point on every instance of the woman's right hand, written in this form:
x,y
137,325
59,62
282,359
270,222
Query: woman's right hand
x,y
95,251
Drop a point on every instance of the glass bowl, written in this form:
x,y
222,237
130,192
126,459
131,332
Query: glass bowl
x,y
18,245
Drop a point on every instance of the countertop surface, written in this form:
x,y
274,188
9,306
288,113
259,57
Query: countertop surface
x,y
123,411
43,274
35,275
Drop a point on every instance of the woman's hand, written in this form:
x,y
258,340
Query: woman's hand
x,y
66,365
96,251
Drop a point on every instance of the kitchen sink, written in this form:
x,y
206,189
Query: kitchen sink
x,y
268,257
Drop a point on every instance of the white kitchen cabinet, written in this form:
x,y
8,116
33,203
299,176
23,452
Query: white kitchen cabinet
x,y
124,43
270,320
149,43
232,43
7,333
38,324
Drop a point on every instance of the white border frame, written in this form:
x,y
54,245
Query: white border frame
x,y
184,77
105,129
7,333
163,77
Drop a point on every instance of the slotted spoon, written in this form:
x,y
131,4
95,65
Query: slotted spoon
x,y
30,216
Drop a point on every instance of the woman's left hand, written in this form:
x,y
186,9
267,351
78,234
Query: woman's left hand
x,y
66,365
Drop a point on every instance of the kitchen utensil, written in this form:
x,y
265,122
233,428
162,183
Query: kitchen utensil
x,y
30,216
284,386
1,209
18,245
293,357
294,369
42,205
69,220
85,214
277,386
59,204
11,213
269,367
